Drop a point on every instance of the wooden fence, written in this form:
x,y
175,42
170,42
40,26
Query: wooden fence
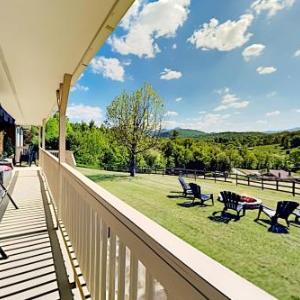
x,y
286,186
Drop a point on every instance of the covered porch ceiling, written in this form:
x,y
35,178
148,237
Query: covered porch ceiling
x,y
40,41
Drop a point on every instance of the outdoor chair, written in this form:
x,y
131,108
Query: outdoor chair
x,y
283,210
5,197
232,201
196,190
296,213
186,187
4,200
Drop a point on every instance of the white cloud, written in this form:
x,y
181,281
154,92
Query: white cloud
x,y
178,99
271,7
229,100
211,119
273,113
174,46
86,113
79,87
266,70
298,110
145,23
168,74
254,50
261,122
108,67
297,53
170,113
171,124
81,75
209,122
222,91
126,63
223,37
131,14
202,112
271,94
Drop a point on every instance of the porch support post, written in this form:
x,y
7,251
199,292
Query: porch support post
x,y
44,134
63,95
40,133
39,144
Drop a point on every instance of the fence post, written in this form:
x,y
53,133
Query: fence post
x,y
294,188
195,173
262,183
277,185
236,179
248,181
215,176
204,175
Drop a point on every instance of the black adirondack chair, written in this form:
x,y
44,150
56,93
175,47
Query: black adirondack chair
x,y
185,187
283,210
296,213
196,190
232,201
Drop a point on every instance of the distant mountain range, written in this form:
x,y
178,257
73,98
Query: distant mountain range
x,y
193,133
289,130
188,133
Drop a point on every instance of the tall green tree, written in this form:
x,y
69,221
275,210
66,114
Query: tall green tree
x,y
136,121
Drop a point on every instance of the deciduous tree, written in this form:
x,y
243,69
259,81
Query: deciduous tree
x,y
136,120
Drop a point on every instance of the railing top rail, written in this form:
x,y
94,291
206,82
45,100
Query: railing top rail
x,y
50,153
193,265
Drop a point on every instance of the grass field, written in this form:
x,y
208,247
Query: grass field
x,y
269,260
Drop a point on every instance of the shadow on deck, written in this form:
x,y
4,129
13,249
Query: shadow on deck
x,y
35,268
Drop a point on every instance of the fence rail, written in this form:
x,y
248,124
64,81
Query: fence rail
x,y
124,255
286,186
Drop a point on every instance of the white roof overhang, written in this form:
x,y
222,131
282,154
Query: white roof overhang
x,y
40,41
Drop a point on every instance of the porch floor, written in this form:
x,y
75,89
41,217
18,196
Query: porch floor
x,y
35,267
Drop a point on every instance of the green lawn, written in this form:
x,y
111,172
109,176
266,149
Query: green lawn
x,y
269,260
274,149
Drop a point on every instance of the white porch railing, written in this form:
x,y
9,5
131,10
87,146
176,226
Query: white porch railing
x,y
70,159
123,254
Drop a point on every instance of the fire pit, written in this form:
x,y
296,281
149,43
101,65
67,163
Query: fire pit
x,y
250,202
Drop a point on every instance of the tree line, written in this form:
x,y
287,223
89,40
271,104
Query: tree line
x,y
97,146
131,137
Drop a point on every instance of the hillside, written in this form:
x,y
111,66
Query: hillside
x,y
187,133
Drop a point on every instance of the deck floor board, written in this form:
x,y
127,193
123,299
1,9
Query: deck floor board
x,y
29,272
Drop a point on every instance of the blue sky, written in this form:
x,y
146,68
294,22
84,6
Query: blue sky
x,y
219,65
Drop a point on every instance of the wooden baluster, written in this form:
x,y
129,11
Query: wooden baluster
x,y
121,271
112,265
133,277
83,260
97,238
93,238
103,261
149,293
